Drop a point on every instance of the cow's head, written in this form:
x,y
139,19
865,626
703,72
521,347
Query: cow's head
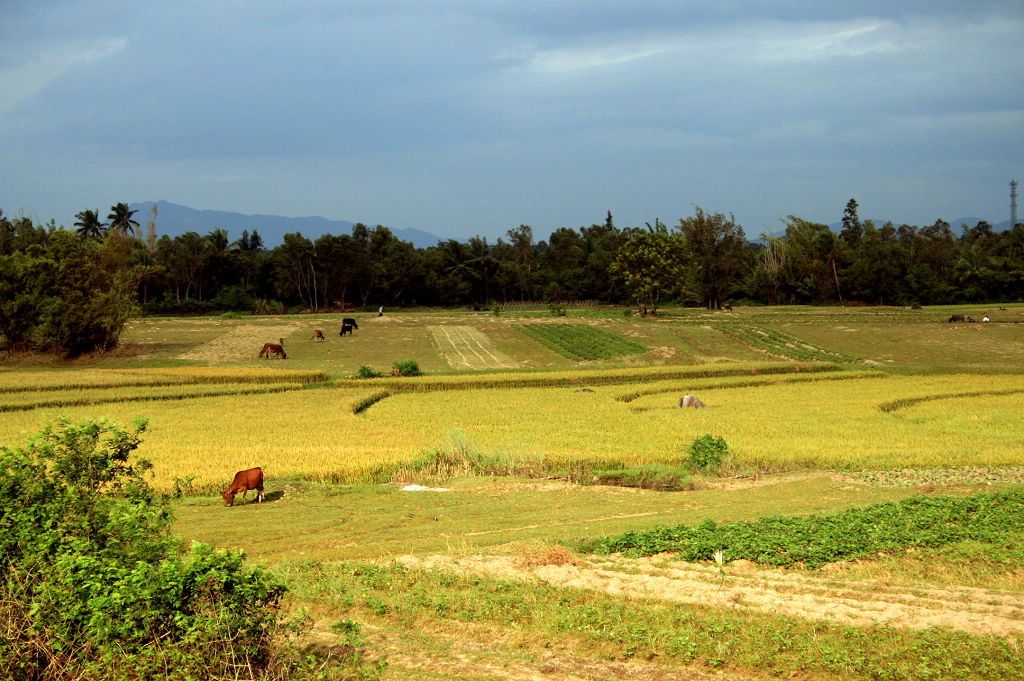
x,y
228,496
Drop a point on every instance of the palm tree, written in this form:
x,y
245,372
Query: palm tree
x,y
89,225
121,219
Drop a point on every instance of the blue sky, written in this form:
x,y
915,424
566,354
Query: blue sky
x,y
472,117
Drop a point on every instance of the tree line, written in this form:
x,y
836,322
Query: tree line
x,y
50,275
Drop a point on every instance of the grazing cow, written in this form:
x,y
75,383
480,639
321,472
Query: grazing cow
x,y
345,328
274,348
243,482
727,307
956,318
318,335
970,320
350,321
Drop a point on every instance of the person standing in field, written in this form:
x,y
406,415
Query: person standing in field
x,y
380,311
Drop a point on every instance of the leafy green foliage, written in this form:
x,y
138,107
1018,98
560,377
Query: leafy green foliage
x,y
707,453
815,540
649,264
94,585
581,342
61,295
406,367
367,372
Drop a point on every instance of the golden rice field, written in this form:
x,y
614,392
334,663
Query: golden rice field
x,y
837,420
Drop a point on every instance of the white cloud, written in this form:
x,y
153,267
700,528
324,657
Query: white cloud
x,y
22,80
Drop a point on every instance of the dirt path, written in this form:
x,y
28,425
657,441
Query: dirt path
x,y
241,342
467,348
742,585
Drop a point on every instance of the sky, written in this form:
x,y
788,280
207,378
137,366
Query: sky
x,y
471,117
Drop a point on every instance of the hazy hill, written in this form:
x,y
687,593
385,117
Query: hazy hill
x,y
174,219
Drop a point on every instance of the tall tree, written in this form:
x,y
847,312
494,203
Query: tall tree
x,y
121,219
88,224
852,232
716,250
649,264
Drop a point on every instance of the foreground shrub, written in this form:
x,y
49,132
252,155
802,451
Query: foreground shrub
x,y
95,586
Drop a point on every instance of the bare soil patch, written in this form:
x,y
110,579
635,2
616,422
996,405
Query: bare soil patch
x,y
741,585
241,342
465,347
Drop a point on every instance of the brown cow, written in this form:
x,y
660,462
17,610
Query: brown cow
x,y
274,348
243,482
318,335
727,307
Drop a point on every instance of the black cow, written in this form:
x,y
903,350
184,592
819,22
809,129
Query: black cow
x,y
956,318
350,321
345,328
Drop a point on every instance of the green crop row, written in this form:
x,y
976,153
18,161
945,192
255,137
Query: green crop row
x,y
779,344
813,541
581,342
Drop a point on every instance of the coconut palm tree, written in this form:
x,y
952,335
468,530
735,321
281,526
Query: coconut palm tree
x,y
88,224
121,219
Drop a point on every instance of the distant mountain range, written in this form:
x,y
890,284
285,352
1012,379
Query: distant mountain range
x,y
174,219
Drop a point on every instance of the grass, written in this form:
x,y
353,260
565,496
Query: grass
x,y
307,521
602,627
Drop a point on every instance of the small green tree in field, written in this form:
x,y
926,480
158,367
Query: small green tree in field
x,y
707,454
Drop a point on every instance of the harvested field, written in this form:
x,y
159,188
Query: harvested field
x,y
240,343
465,347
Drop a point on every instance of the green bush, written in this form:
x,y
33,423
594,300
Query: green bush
x,y
61,295
707,454
95,586
367,372
406,367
